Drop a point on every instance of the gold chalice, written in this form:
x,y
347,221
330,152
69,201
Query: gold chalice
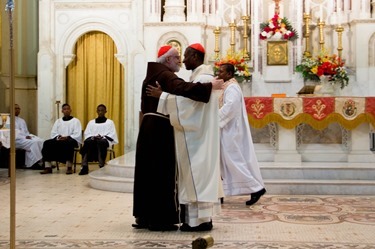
x,y
4,118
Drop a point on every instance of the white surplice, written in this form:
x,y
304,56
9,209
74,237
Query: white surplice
x,y
197,141
71,128
239,165
106,129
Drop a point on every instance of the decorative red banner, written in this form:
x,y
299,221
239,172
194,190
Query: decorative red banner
x,y
259,107
319,108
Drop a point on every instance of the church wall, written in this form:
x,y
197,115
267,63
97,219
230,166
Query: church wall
x,y
67,21
25,47
138,34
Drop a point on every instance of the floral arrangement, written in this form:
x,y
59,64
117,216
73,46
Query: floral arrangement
x,y
241,67
324,65
277,28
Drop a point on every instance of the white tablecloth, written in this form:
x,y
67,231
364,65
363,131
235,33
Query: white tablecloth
x,y
5,137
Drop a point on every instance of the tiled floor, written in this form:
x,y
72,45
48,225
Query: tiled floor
x,y
62,211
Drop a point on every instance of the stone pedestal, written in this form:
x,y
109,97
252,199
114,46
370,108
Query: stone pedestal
x,y
360,145
287,146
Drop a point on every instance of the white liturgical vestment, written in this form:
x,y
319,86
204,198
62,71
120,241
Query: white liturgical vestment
x,y
197,141
32,146
70,128
106,129
239,165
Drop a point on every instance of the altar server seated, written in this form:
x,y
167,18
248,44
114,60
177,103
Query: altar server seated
x,y
99,134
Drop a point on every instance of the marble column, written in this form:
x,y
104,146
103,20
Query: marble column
x,y
174,11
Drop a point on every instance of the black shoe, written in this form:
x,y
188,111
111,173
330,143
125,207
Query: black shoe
x,y
139,226
140,223
255,197
46,171
206,226
162,227
84,170
37,166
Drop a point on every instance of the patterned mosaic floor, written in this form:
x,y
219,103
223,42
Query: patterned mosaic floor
x,y
62,211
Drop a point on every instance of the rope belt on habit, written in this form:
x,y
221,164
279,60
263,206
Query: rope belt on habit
x,y
156,114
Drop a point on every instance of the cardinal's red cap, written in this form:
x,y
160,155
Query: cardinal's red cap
x,y
197,46
164,49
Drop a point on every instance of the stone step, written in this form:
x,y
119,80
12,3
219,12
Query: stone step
x,y
319,187
327,172
328,178
99,179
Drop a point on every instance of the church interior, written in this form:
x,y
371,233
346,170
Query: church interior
x,y
313,129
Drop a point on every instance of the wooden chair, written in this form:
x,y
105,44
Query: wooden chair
x,y
110,150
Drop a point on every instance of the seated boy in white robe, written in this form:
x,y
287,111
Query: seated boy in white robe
x,y
99,134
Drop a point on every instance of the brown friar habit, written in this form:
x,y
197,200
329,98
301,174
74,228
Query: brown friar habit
x,y
155,200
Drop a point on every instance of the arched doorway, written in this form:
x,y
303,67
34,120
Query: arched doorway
x,y
96,77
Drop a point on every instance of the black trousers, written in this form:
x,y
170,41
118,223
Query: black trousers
x,y
59,150
94,150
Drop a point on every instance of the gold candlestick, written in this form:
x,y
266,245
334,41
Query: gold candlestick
x,y
339,31
321,25
245,37
232,26
306,17
217,32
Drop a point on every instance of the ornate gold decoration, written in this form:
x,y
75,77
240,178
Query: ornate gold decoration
x,y
176,44
349,109
306,17
217,32
257,108
245,37
321,25
288,109
232,27
277,53
319,108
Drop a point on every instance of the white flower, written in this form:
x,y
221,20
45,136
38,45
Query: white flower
x,y
277,35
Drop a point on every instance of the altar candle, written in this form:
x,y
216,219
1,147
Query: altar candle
x,y
217,19
321,12
243,7
338,12
307,6
232,14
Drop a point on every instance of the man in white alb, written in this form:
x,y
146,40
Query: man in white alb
x,y
30,143
239,165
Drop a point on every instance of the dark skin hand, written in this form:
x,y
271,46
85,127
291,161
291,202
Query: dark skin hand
x,y
154,91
